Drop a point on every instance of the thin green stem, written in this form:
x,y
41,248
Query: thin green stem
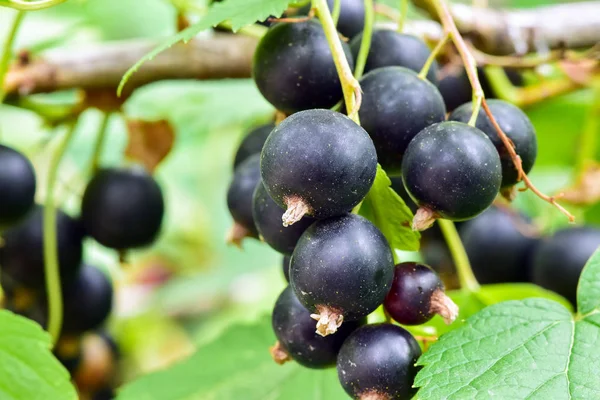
x,y
365,43
403,15
588,141
350,85
51,266
459,256
30,5
436,50
335,13
95,164
7,50
476,107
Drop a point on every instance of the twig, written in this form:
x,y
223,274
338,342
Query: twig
x,y
516,61
517,161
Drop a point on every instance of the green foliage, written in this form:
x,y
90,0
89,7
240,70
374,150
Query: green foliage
x,y
236,366
28,370
532,349
239,12
384,208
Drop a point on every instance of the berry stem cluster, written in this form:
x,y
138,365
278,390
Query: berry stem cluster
x,y
365,44
30,5
51,267
459,255
7,51
350,86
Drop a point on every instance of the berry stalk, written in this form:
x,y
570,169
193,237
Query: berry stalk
x,y
95,164
459,256
403,15
7,52
51,267
335,13
438,47
365,44
350,85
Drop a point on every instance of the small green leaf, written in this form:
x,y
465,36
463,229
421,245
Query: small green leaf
x,y
28,369
236,366
528,349
239,12
384,208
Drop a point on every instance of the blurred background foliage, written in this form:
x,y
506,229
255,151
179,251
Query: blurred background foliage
x,y
190,286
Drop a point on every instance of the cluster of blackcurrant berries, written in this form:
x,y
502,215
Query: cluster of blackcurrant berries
x,y
121,209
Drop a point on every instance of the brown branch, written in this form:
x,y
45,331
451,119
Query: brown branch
x,y
572,25
103,65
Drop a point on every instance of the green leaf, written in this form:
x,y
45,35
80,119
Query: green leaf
x,y
528,349
239,12
386,209
236,366
28,369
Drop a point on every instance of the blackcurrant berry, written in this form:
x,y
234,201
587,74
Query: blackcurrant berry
x,y
239,199
515,124
296,336
294,69
391,48
499,245
122,208
559,260
341,270
454,86
252,143
285,266
417,294
391,94
318,162
267,218
22,255
352,16
378,362
452,171
17,185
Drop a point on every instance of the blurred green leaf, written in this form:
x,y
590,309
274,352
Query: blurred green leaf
x,y
386,209
236,366
28,370
239,12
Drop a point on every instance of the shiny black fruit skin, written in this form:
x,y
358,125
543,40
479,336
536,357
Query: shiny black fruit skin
x,y
252,143
241,191
352,16
396,106
17,185
454,86
343,263
559,259
515,124
267,218
322,157
295,330
87,300
390,48
294,70
285,266
409,300
123,208
379,359
22,255
498,251
453,169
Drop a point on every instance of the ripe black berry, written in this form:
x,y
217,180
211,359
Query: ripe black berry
x,y
267,218
252,143
499,246
239,199
297,340
378,362
22,255
417,294
352,16
454,86
559,260
122,208
294,69
452,171
515,124
318,162
17,185
341,270
285,266
391,48
391,94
